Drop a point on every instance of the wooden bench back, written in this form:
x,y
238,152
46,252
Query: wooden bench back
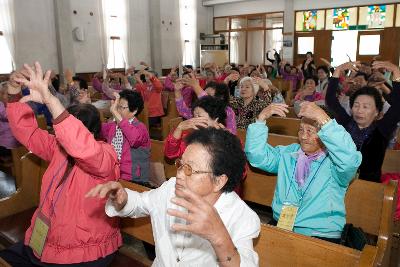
x,y
391,163
292,113
28,182
157,155
284,126
273,139
276,247
371,206
140,228
281,84
144,115
172,112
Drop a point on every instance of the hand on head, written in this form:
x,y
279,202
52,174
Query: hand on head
x,y
312,111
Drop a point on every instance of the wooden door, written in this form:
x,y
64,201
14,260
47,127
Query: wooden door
x,y
322,46
366,42
390,45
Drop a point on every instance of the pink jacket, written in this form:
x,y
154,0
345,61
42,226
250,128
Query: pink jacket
x,y
80,230
134,136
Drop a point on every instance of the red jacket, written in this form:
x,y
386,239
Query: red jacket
x,y
80,229
151,94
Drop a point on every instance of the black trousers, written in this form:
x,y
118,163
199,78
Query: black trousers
x,y
20,255
333,240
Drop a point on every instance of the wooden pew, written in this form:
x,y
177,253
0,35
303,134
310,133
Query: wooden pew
x,y
171,113
285,87
285,126
292,113
140,228
281,84
3,263
277,247
391,163
273,139
144,115
371,206
157,155
28,182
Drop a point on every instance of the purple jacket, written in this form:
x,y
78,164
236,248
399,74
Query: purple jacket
x,y
187,91
293,78
7,139
103,88
134,136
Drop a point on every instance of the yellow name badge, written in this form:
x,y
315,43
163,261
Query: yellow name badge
x,y
287,217
39,234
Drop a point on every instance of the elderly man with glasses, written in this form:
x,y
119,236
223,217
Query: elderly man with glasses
x,y
197,219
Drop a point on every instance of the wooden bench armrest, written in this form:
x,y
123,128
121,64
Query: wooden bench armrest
x,y
386,229
139,228
3,263
28,181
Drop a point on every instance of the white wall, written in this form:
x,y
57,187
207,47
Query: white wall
x,y
35,36
249,7
87,54
170,33
205,17
139,29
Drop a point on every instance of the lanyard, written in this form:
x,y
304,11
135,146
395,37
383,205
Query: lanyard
x,y
308,186
53,205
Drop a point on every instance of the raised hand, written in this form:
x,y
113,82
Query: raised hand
x,y
191,81
202,219
37,84
273,109
113,190
388,66
261,83
353,66
178,85
68,76
114,107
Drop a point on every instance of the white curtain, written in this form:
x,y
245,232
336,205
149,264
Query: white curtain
x,y
124,31
188,30
234,47
103,33
7,25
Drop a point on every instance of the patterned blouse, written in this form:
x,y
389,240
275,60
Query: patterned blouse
x,y
245,115
267,96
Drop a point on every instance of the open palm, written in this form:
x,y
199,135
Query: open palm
x,y
37,84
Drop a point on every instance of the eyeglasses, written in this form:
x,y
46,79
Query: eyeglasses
x,y
121,107
187,169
